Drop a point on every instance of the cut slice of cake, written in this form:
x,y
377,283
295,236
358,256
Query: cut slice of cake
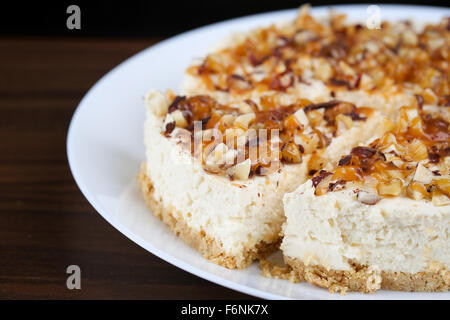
x,y
381,217
323,59
216,174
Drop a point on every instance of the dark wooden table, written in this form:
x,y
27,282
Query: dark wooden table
x,y
46,224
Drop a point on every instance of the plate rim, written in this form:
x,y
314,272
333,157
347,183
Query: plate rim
x,y
82,185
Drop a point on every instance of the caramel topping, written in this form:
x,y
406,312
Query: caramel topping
x,y
344,56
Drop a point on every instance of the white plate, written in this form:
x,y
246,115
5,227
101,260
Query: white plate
x,y
105,150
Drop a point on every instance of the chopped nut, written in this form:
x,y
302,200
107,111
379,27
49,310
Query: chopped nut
x,y
439,199
302,118
177,115
391,188
309,142
291,122
238,82
366,82
205,157
230,156
286,80
343,119
411,113
429,96
324,105
367,198
317,179
227,120
240,171
219,157
392,60
303,36
169,127
209,134
243,107
169,124
321,182
397,161
345,160
363,152
410,38
340,83
291,153
388,124
315,117
418,150
444,185
346,69
417,190
182,135
265,171
389,144
157,103
395,173
232,137
219,151
323,70
390,39
338,185
435,43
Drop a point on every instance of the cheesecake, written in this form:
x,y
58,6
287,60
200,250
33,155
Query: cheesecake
x,y
380,218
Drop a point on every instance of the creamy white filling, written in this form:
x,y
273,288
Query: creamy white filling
x,y
396,234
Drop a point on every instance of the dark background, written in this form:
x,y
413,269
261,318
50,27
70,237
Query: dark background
x,y
161,18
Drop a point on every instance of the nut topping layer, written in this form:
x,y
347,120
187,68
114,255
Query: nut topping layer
x,y
342,55
246,139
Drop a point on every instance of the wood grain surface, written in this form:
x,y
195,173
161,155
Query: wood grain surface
x,y
46,223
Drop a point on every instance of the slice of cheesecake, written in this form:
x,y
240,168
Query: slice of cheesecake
x,y
381,217
216,174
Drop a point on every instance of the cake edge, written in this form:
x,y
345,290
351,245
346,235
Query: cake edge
x,y
198,240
